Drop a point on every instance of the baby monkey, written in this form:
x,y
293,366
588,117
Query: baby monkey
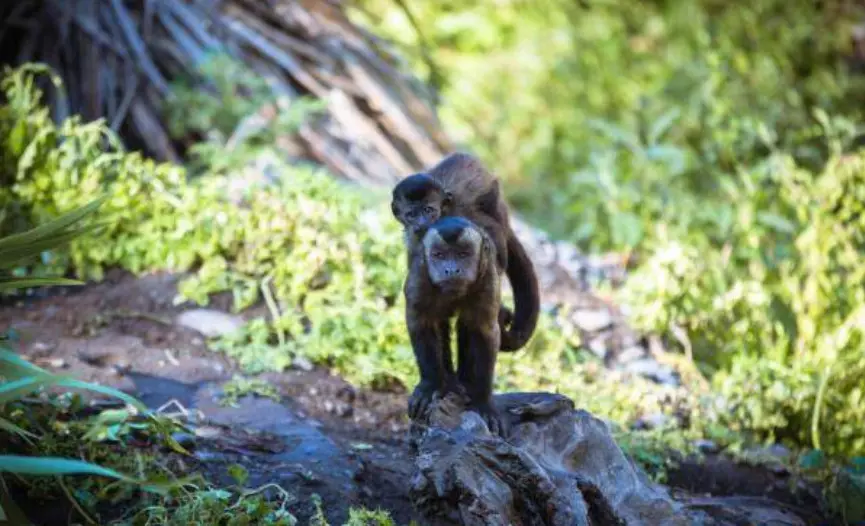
x,y
460,185
454,274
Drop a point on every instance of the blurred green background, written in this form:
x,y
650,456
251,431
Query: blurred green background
x,y
715,142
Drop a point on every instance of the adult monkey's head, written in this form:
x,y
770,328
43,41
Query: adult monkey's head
x,y
457,253
419,201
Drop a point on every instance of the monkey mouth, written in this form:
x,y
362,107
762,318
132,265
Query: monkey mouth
x,y
452,286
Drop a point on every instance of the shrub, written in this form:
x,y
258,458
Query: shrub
x,y
327,260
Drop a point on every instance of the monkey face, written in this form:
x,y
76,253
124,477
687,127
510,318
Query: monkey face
x,y
453,250
418,202
420,216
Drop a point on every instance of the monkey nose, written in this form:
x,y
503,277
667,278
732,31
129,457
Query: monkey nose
x,y
454,271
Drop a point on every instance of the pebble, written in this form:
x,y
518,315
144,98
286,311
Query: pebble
x,y
707,447
598,348
630,354
592,320
209,322
302,363
651,369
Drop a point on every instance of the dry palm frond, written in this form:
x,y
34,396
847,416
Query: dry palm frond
x,y
118,59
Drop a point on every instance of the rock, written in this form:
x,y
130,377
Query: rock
x,y
592,320
558,466
632,353
649,368
707,447
209,322
598,348
302,363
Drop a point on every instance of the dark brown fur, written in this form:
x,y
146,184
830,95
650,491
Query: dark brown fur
x,y
460,185
429,308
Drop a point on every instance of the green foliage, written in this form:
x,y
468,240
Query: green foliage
x,y
717,140
239,387
782,327
21,378
327,259
637,114
233,109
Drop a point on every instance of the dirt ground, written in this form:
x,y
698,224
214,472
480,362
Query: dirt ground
x,y
325,437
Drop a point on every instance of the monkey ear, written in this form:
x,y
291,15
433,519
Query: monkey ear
x,y
394,209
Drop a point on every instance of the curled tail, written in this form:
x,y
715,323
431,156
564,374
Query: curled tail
x,y
527,300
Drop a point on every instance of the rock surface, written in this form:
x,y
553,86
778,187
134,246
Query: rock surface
x,y
558,466
210,322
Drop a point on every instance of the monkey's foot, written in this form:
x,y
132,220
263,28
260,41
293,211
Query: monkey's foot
x,y
495,423
420,399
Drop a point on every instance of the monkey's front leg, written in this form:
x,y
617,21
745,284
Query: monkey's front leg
x,y
478,345
427,343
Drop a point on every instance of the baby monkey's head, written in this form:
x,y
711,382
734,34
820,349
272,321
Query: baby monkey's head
x,y
418,201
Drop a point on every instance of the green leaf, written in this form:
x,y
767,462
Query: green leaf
x,y
38,378
238,473
23,283
662,124
814,459
776,222
14,390
9,427
53,466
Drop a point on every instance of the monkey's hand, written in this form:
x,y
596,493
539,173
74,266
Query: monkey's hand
x,y
495,422
420,399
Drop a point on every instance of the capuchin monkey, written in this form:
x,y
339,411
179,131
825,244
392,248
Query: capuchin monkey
x,y
460,185
454,274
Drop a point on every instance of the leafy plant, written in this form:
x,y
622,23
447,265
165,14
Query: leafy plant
x,y
21,378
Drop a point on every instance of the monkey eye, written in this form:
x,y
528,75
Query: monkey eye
x,y
411,213
463,254
429,209
438,255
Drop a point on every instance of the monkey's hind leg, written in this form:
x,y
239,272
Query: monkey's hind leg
x,y
477,349
427,343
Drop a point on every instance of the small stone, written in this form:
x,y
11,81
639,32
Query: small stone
x,y
41,347
344,410
54,363
779,451
209,322
630,354
651,369
592,320
207,432
707,447
302,363
598,348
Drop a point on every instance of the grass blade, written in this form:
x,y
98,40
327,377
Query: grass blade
x,y
11,391
9,427
7,284
38,377
54,466
52,227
